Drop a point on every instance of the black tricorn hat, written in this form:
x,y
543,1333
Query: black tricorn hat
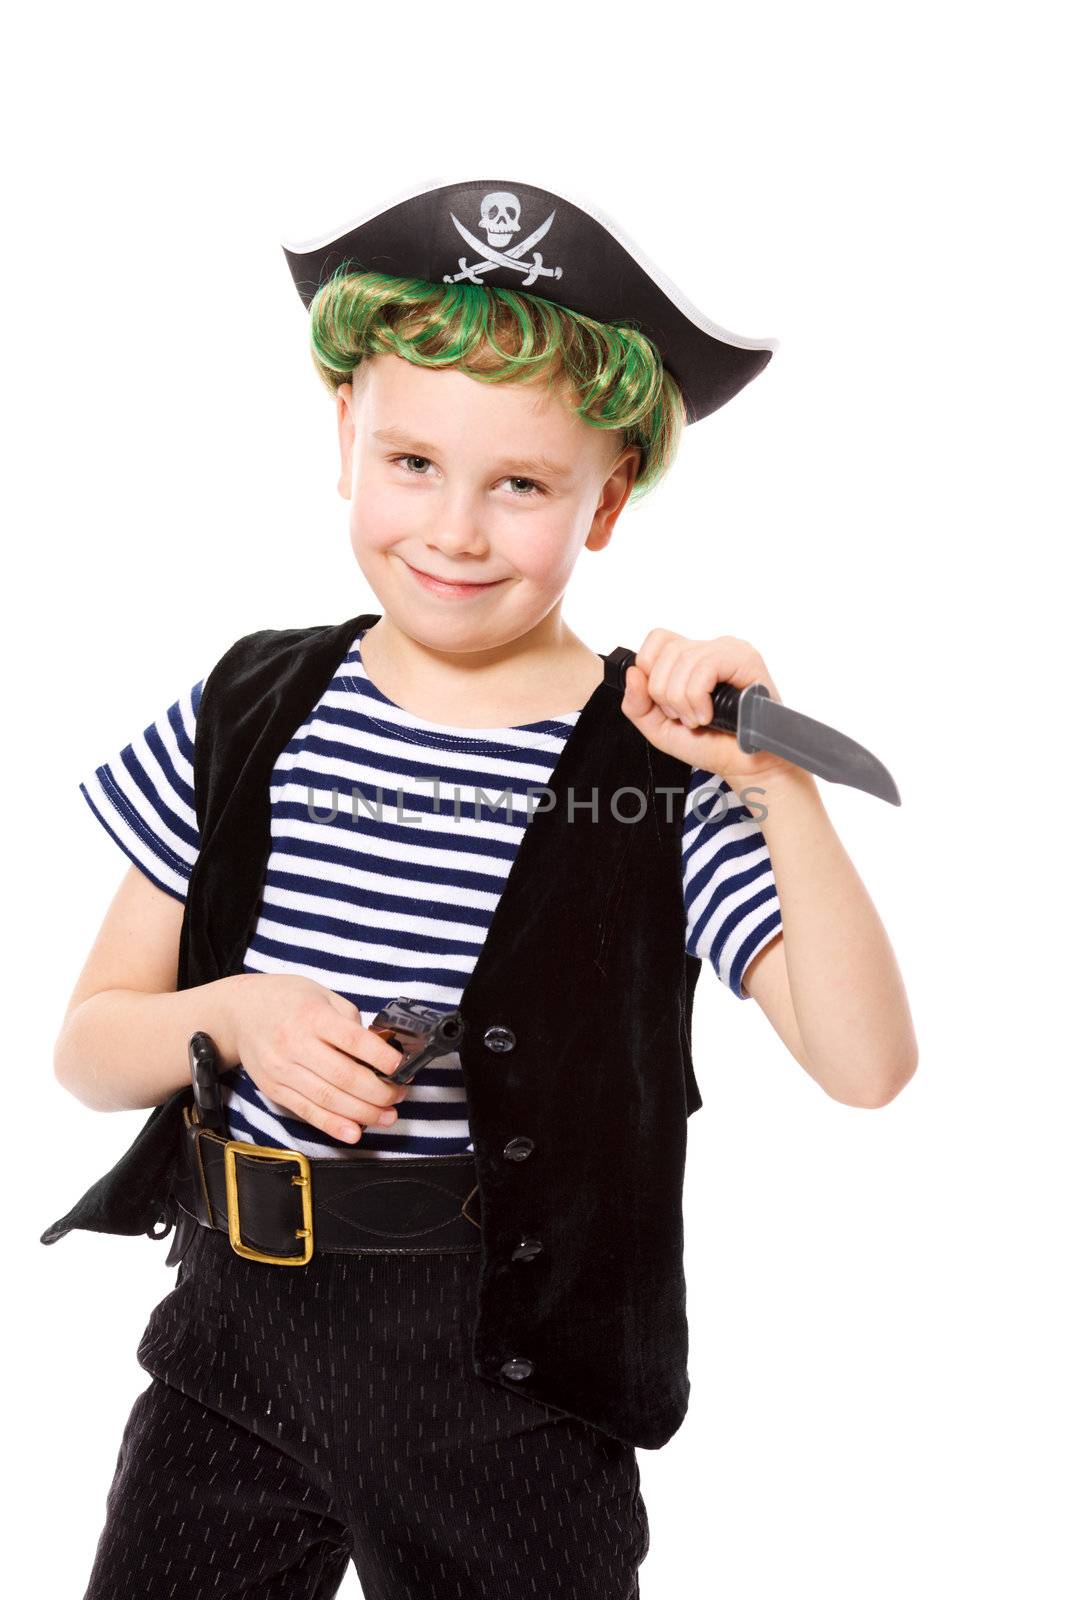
x,y
499,233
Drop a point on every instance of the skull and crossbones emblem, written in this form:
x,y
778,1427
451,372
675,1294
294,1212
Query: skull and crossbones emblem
x,y
500,219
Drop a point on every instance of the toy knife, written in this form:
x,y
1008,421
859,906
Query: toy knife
x,y
761,723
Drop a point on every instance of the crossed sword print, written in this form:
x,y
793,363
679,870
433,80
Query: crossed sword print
x,y
494,258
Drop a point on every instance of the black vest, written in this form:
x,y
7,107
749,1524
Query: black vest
x,y
584,969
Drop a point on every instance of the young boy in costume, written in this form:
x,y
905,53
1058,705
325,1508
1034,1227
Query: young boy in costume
x,y
423,1326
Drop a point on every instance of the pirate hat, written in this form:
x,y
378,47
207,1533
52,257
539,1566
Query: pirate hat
x,y
500,233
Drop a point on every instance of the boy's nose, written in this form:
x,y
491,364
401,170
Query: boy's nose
x,y
453,543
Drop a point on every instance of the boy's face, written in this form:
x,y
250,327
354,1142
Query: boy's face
x,y
499,485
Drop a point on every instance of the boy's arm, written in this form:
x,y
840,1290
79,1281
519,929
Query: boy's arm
x,y
766,979
830,985
124,1041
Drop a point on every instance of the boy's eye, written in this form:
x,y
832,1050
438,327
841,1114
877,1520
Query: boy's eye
x,y
521,494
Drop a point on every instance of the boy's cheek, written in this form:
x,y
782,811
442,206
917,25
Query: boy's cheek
x,y
377,524
544,555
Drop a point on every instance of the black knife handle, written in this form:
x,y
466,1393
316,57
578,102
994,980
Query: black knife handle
x,y
204,1070
725,697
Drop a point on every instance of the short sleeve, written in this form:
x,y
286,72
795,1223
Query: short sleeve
x,y
144,797
731,901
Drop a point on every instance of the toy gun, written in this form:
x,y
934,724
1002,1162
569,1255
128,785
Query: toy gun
x,y
420,1032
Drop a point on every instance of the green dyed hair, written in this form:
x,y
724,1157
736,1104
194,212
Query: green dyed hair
x,y
609,372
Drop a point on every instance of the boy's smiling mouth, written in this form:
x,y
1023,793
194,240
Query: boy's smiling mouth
x,y
448,586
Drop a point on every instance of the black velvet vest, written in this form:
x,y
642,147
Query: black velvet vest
x,y
583,967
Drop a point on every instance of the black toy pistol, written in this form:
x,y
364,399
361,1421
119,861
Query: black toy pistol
x,y
420,1031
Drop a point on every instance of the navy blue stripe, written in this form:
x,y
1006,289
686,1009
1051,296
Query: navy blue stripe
x,y
398,904
371,1138
735,852
748,946
757,873
444,833
155,803
732,920
353,726
352,859
396,973
124,847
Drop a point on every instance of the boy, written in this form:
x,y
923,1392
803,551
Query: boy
x,y
486,1314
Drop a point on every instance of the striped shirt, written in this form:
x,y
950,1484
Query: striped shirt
x,y
383,876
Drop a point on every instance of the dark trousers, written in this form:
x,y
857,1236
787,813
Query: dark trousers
x,y
300,1418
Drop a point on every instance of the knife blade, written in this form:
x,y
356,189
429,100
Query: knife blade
x,y
761,723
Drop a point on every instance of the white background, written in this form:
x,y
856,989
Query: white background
x,y
877,1324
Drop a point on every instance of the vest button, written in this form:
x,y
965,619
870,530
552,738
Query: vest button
x,y
526,1249
516,1367
499,1038
518,1149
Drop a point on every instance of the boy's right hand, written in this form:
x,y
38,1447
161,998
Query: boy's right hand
x,y
297,1041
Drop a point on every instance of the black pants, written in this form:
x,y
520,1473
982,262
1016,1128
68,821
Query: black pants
x,y
300,1418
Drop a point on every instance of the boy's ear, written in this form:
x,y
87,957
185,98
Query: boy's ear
x,y
614,495
345,439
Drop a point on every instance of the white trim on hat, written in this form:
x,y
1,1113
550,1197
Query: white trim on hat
x,y
739,340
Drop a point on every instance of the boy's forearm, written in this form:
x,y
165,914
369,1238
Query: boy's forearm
x,y
122,1050
848,995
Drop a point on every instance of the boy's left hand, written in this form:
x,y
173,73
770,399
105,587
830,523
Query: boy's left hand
x,y
668,696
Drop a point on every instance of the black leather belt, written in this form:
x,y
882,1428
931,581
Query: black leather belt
x,y
278,1206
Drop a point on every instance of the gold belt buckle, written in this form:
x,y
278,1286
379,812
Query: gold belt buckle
x,y
267,1152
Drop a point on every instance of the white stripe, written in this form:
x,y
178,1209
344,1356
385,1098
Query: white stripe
x,y
440,829
153,864
345,908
